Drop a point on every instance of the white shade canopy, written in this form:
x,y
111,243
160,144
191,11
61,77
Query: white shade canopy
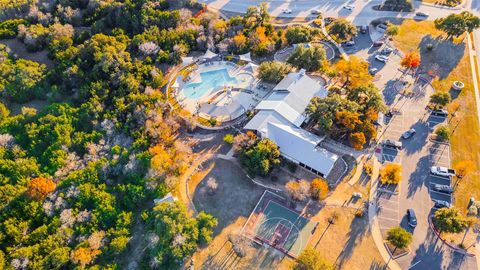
x,y
245,57
209,55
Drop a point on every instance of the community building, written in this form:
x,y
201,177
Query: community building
x,y
279,118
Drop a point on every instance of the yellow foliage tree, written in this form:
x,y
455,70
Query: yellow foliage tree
x,y
84,255
353,72
357,140
319,189
39,187
391,173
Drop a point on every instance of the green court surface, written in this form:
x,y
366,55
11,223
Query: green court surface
x,y
294,233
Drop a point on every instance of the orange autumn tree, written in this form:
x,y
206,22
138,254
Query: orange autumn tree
x,y
84,255
411,60
357,140
39,187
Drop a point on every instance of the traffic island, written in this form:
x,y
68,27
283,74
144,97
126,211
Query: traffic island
x,y
394,252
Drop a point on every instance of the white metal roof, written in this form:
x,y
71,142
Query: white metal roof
x,y
301,145
262,118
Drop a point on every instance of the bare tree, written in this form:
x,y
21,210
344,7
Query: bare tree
x,y
298,190
212,185
240,244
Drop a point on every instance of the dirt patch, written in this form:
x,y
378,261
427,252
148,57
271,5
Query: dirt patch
x,y
18,48
235,196
347,242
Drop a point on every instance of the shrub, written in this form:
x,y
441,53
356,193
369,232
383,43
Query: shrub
x,y
9,28
228,138
391,173
443,133
292,166
212,122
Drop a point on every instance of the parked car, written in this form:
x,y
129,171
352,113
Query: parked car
x,y
412,218
409,133
392,144
378,43
422,14
373,71
348,43
287,11
386,51
442,171
349,7
382,26
441,204
440,113
443,188
363,29
315,11
381,58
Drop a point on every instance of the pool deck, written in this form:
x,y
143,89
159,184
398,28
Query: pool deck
x,y
248,98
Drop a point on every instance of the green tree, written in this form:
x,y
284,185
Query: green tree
x,y
273,71
457,24
310,259
178,233
449,220
443,133
205,224
300,34
260,158
399,238
311,59
440,98
322,111
342,30
21,79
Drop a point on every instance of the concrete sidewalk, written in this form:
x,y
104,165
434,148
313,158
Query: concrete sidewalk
x,y
372,217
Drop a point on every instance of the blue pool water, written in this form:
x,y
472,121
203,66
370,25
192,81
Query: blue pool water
x,y
210,80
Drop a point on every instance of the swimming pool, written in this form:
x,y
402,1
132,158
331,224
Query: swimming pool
x,y
210,80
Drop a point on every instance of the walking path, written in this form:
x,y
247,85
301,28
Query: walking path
x,y
474,52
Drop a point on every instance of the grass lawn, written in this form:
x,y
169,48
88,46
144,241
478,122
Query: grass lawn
x,y
450,60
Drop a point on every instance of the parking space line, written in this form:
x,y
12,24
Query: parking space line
x,y
388,209
394,219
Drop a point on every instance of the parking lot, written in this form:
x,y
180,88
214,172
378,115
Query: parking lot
x,y
388,210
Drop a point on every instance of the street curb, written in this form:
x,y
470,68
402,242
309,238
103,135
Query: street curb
x,y
398,256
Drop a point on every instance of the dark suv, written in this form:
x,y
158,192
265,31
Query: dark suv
x,y
412,218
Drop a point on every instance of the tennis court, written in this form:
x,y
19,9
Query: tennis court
x,y
273,223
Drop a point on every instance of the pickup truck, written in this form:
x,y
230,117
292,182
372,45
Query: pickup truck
x,y
442,171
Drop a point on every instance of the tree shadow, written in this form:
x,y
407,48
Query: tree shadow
x,y
418,141
429,254
358,229
443,58
389,93
419,177
377,265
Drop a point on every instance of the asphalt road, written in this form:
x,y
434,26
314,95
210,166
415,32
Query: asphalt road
x,y
362,13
